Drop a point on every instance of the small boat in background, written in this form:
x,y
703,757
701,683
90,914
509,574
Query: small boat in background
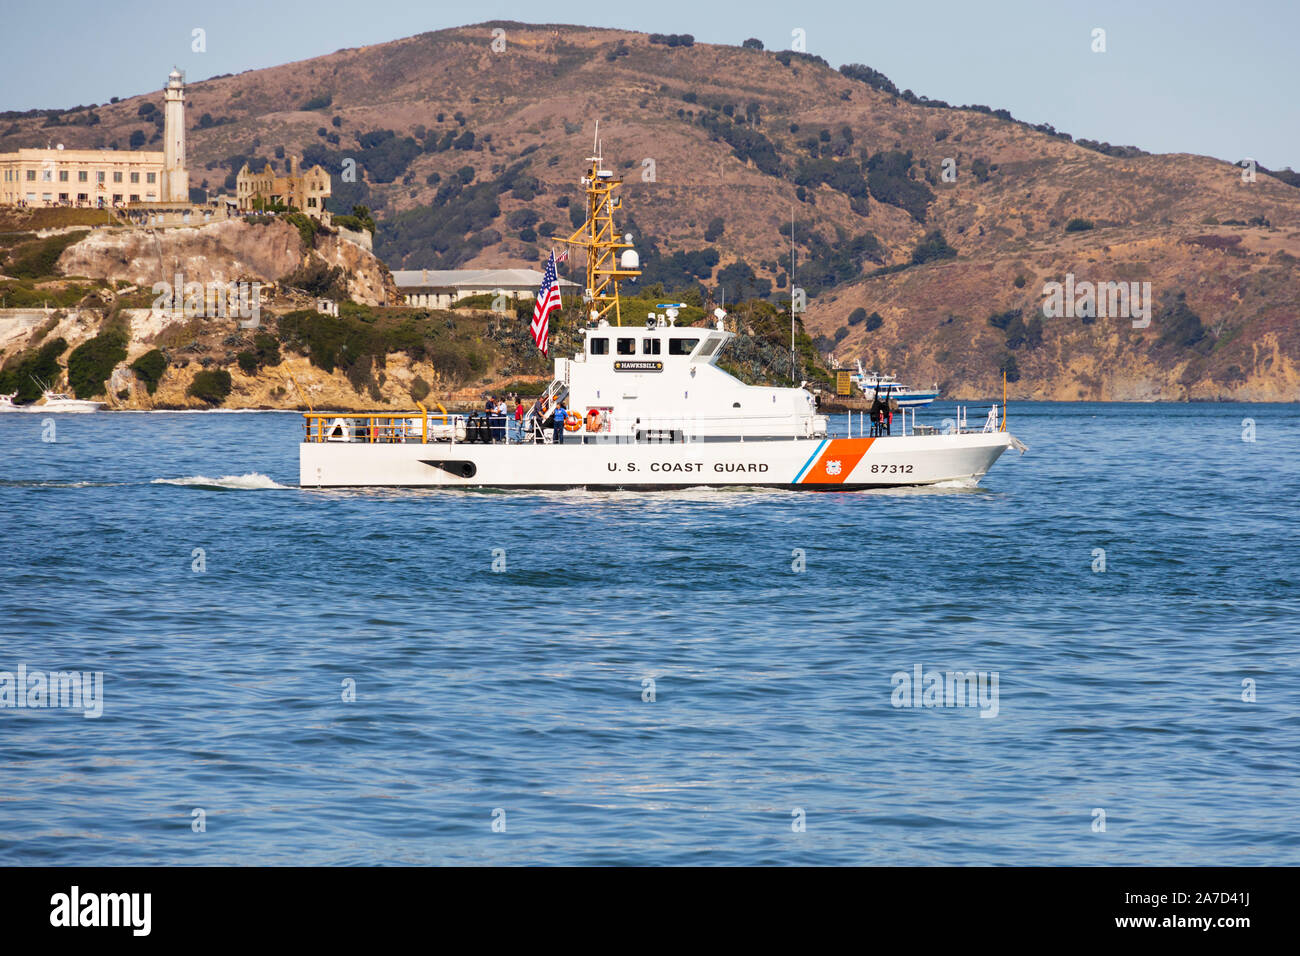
x,y
891,387
59,402
7,403
52,401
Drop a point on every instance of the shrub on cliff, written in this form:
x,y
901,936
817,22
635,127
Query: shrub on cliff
x,y
149,368
265,351
360,219
211,386
306,227
21,372
92,362
316,277
32,260
1181,328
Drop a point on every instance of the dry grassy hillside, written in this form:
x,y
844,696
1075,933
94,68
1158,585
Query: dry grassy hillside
x,y
720,144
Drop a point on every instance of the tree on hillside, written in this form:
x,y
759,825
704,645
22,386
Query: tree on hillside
x,y
873,78
934,246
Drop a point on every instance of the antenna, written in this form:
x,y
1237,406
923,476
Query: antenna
x,y
792,293
610,257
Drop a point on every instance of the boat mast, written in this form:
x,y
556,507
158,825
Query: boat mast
x,y
605,267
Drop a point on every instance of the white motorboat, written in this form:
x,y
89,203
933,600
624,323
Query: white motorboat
x,y
52,401
7,403
891,388
645,407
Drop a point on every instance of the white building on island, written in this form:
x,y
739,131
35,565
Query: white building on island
x,y
439,288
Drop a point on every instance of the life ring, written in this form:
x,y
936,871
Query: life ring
x,y
573,422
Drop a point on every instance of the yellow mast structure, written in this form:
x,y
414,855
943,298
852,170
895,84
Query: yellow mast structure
x,y
606,264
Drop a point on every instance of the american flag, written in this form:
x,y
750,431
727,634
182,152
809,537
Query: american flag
x,y
548,300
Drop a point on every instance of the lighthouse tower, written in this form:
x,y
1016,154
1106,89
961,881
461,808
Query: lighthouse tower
x,y
175,177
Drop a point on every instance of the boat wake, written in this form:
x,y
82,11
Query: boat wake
x,y
253,481
934,488
60,484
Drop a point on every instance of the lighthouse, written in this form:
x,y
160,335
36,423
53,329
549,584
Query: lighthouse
x,y
175,177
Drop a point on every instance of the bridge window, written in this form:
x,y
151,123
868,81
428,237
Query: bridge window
x,y
598,346
682,346
627,346
650,346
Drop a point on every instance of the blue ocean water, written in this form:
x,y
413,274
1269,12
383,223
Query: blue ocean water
x,y
522,698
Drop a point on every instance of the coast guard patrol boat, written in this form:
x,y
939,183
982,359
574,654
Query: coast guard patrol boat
x,y
648,408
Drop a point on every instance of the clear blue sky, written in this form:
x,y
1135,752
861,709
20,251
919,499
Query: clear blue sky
x,y
1200,76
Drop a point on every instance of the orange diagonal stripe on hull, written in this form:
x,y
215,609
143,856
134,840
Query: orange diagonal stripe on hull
x,y
837,461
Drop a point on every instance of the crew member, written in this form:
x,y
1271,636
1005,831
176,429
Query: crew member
x,y
877,414
501,420
561,413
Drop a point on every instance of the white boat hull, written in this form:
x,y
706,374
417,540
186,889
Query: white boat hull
x,y
75,407
805,464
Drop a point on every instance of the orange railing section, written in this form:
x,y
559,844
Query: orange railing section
x,y
387,427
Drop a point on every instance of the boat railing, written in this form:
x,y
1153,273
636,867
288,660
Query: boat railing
x,y
425,426
383,427
960,425
422,427
901,425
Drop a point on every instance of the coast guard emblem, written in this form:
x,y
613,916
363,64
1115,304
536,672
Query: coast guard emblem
x,y
832,468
